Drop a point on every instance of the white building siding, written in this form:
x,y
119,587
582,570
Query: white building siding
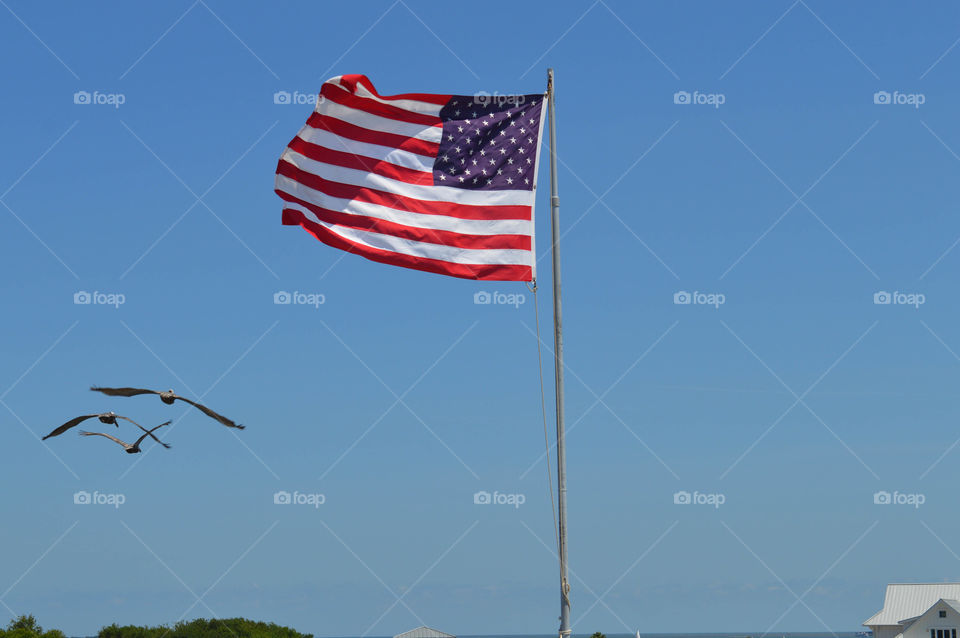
x,y
886,631
920,628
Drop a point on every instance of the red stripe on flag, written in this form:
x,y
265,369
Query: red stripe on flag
x,y
360,134
493,272
353,79
399,202
428,235
360,163
344,98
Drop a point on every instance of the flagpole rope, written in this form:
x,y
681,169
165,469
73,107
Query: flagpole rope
x,y
543,411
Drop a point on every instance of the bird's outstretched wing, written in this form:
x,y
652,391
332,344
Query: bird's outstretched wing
x,y
125,445
69,424
210,413
123,392
149,432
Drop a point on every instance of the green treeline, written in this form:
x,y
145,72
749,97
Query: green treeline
x,y
27,627
202,628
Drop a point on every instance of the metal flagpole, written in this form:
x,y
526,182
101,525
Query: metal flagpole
x,y
558,368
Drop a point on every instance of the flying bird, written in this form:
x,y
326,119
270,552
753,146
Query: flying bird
x,y
130,449
167,397
109,418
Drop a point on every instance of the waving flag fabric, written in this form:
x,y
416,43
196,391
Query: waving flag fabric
x,y
440,183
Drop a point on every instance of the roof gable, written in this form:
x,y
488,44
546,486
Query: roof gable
x,y
424,632
907,601
952,605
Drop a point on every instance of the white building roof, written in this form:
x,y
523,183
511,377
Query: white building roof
x,y
424,632
904,601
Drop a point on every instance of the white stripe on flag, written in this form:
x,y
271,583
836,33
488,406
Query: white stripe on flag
x,y
416,220
404,189
334,142
416,106
378,123
426,250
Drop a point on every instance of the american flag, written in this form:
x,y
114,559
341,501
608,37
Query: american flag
x,y
441,183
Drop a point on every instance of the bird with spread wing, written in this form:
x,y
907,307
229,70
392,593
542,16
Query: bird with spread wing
x,y
128,448
167,397
109,418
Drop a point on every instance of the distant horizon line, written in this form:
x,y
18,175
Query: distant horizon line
x,y
731,634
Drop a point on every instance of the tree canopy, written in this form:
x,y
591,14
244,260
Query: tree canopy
x,y
202,628
28,627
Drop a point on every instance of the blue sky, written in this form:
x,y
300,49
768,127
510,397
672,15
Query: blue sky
x,y
818,183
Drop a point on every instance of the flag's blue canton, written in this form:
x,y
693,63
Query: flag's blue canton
x,y
489,142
